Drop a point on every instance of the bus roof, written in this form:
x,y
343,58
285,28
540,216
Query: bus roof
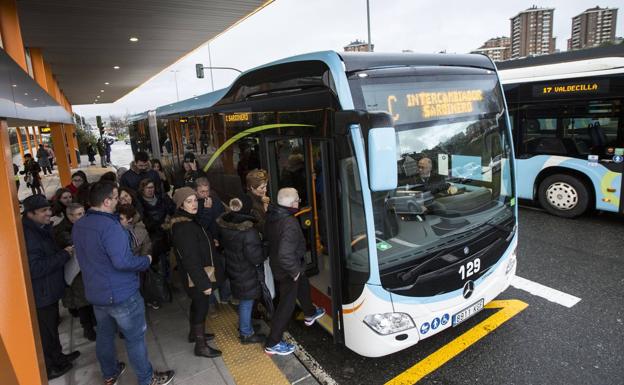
x,y
337,63
566,65
567,70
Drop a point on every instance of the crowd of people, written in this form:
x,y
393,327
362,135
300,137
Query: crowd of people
x,y
94,246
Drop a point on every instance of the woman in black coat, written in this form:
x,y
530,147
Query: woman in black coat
x,y
194,252
243,257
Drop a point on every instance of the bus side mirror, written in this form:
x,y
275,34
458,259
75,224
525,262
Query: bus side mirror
x,y
382,162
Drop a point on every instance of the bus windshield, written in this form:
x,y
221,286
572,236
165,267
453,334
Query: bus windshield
x,y
454,166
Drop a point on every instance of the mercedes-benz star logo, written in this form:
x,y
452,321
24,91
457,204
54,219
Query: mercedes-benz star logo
x,y
468,289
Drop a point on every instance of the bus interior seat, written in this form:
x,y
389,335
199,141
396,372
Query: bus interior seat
x,y
552,146
597,135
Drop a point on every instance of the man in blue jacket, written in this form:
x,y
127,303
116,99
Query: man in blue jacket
x,y
110,275
46,262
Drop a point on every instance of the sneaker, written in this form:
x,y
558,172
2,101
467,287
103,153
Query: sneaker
x,y
282,348
162,378
113,380
309,321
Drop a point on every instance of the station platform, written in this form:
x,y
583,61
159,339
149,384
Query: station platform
x,y
166,336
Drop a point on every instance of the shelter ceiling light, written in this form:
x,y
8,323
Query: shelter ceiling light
x,y
13,85
25,93
134,39
106,83
116,67
101,90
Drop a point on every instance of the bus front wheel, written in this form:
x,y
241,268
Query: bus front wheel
x,y
563,195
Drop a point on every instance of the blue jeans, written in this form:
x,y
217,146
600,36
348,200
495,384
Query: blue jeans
x,y
129,318
244,317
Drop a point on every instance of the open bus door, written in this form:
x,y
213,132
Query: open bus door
x,y
304,163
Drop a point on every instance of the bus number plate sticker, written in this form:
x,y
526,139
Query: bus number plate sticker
x,y
468,312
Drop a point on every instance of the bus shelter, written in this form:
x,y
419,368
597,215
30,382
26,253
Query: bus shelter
x,y
54,55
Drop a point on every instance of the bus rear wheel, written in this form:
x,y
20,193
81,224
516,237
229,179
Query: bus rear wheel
x,y
563,195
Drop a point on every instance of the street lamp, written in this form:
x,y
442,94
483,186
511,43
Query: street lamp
x,y
368,25
175,77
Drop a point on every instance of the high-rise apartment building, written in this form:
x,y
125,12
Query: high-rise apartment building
x,y
592,28
497,48
358,46
532,32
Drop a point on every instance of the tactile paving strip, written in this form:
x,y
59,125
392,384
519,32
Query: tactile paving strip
x,y
248,364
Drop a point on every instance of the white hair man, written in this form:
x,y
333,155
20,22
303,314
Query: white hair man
x,y
287,248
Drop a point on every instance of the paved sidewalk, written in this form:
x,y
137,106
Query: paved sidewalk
x,y
167,330
166,336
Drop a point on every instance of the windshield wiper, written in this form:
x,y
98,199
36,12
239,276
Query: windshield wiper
x,y
500,227
408,275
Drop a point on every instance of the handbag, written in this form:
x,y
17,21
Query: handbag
x,y
155,286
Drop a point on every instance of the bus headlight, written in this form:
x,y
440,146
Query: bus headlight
x,y
389,323
511,263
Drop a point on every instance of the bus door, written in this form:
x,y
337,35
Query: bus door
x,y
303,163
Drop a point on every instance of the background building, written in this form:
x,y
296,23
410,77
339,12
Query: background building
x,y
497,48
358,46
532,32
593,27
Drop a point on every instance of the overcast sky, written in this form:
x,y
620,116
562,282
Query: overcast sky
x,y
290,27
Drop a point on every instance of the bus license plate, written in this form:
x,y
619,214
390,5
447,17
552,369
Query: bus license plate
x,y
467,312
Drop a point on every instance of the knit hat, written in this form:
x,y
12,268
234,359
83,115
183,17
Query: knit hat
x,y
242,204
181,194
35,202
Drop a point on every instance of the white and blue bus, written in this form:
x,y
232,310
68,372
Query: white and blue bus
x,y
568,126
404,163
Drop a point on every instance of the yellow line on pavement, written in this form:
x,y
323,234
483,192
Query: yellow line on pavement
x,y
248,364
509,308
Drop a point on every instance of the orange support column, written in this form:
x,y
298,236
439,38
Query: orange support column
x,y
21,357
60,153
36,137
30,149
18,131
39,68
71,144
11,32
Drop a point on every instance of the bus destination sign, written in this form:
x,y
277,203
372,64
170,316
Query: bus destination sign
x,y
433,105
571,88
237,117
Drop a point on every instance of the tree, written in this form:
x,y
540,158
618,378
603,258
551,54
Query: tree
x,y
84,138
118,125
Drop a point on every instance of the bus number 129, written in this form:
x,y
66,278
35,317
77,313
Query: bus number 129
x,y
470,268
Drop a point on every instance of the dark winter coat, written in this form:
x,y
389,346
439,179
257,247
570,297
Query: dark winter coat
x,y
207,217
31,167
154,216
194,249
46,261
286,242
62,233
134,176
242,251
185,178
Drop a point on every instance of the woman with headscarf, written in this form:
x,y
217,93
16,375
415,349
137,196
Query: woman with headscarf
x,y
196,257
